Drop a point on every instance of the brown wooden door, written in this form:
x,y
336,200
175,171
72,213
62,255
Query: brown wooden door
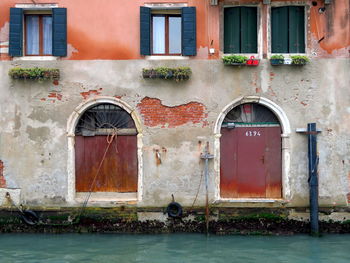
x,y
119,168
250,165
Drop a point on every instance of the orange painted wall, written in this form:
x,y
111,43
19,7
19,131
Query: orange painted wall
x,y
109,29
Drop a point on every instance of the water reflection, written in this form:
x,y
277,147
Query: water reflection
x,y
172,248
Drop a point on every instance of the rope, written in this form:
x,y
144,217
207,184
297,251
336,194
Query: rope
x,y
110,138
199,187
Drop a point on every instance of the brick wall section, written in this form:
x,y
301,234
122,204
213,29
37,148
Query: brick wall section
x,y
2,178
154,113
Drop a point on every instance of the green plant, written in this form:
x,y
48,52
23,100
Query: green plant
x,y
177,74
299,59
234,59
277,57
182,73
35,73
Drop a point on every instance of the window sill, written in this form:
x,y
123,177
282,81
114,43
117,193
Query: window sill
x,y
166,57
256,55
35,58
287,55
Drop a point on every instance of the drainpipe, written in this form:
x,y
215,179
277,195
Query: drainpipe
x,y
313,177
311,133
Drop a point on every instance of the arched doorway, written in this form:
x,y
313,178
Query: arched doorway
x,y
250,153
126,123
106,150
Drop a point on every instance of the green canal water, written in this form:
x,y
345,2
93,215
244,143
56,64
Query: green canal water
x,y
175,248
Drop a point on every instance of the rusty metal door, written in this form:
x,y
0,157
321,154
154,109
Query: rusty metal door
x,y
250,165
118,172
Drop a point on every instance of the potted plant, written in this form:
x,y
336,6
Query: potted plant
x,y
299,60
276,60
252,61
235,60
36,73
177,74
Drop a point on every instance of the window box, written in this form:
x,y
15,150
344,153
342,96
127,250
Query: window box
x,y
235,60
277,60
298,60
39,74
177,74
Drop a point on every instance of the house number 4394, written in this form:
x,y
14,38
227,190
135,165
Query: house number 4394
x,y
252,133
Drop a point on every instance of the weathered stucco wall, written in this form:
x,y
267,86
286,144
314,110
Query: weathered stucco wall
x,y
33,146
177,119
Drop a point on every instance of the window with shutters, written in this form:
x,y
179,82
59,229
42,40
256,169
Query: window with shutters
x,y
168,32
240,30
40,32
288,29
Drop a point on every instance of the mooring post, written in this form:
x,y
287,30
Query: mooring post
x,y
311,133
206,156
313,177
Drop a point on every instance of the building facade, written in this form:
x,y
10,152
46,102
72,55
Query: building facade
x,y
106,127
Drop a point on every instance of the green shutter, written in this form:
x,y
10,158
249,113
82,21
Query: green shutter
x,y
59,32
232,30
16,32
248,30
145,31
279,29
296,29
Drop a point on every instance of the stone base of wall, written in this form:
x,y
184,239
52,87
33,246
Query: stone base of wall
x,y
155,220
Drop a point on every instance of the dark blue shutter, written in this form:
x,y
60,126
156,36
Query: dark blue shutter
x,y
189,43
16,32
59,32
145,31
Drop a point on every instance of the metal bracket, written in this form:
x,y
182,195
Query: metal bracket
x,y
304,131
207,156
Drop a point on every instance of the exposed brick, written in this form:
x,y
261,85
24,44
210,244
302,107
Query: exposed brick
x,y
2,178
55,95
87,94
154,113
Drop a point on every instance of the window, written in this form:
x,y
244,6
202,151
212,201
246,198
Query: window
x,y
288,29
38,35
240,30
44,32
168,32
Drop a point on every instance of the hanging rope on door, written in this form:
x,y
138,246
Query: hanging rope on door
x,y
110,137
